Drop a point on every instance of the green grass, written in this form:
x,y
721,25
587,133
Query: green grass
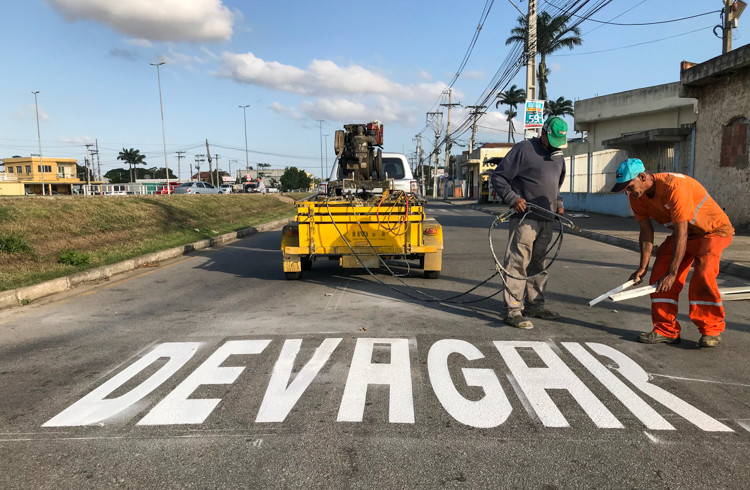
x,y
35,232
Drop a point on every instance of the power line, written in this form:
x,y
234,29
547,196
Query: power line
x,y
633,45
650,23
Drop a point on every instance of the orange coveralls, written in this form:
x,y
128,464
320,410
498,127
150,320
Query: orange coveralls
x,y
681,198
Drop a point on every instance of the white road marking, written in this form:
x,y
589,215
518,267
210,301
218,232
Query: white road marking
x,y
177,408
633,402
699,380
636,375
94,408
281,395
492,410
362,373
651,438
556,375
745,424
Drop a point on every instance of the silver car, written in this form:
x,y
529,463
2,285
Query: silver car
x,y
196,188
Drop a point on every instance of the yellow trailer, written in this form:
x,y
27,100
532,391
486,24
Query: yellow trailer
x,y
359,233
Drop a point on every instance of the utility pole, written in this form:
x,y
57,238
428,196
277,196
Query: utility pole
x,y
435,116
210,170
39,139
531,54
216,157
448,143
88,173
198,160
98,162
326,145
180,156
93,153
732,11
476,111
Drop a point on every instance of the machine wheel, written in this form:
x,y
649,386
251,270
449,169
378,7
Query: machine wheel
x,y
306,263
421,262
431,274
293,276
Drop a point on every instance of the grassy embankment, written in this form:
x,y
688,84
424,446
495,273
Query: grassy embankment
x,y
48,237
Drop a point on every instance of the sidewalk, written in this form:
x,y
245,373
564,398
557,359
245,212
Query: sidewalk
x,y
623,232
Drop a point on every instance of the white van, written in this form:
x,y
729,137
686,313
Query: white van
x,y
395,166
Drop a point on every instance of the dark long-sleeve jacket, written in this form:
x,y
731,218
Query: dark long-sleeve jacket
x,y
529,171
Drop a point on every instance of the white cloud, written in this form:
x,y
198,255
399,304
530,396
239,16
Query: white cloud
x,y
29,112
163,20
473,75
76,140
320,77
143,43
346,110
284,111
424,75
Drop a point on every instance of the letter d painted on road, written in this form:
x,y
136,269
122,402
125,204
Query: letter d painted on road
x,y
93,407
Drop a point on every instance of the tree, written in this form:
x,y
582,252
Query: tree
x,y
293,178
553,34
117,176
132,157
559,107
511,97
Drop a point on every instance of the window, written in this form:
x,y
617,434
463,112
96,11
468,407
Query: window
x,y
61,171
735,138
28,169
18,169
394,168
10,170
47,168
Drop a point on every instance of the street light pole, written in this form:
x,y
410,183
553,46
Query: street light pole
x,y
163,134
326,136
244,116
39,139
321,148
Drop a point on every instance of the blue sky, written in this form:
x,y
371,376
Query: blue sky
x,y
296,62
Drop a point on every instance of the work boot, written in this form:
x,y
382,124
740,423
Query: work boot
x,y
518,321
541,312
657,338
709,341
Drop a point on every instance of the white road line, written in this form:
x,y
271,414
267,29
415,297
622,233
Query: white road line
x,y
652,438
744,423
700,380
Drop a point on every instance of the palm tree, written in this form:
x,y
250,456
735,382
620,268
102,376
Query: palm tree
x,y
132,157
511,97
559,107
553,34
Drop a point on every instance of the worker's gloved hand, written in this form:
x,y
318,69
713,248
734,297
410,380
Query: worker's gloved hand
x,y
519,205
637,276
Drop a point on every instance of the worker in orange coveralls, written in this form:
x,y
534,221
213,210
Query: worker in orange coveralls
x,y
701,231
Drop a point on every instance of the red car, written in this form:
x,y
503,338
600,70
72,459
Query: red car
x,y
163,188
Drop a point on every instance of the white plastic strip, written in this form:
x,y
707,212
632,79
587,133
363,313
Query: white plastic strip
x,y
606,295
633,293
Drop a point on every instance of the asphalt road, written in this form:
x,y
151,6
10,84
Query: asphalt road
x,y
213,371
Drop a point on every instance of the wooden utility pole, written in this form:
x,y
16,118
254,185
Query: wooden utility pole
x,y
436,126
732,11
208,155
448,142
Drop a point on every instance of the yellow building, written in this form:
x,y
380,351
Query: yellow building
x,y
24,176
474,167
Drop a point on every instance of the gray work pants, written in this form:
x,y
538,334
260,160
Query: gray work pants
x,y
525,256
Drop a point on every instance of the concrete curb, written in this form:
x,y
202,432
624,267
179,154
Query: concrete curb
x,y
725,266
25,295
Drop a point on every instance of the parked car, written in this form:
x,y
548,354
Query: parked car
x,y
196,188
163,188
225,189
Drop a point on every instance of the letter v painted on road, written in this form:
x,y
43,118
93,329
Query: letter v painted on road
x,y
281,395
93,407
177,408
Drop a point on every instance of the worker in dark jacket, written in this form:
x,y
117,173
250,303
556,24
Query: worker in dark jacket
x,y
532,171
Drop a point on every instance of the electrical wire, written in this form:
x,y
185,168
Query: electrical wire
x,y
636,44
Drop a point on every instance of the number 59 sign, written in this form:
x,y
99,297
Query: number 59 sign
x,y
534,117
